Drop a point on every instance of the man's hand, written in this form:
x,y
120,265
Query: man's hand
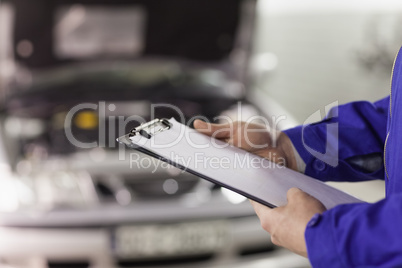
x,y
287,224
254,138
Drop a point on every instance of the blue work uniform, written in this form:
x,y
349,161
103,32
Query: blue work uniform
x,y
358,235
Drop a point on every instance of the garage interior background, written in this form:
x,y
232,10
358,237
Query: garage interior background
x,y
307,54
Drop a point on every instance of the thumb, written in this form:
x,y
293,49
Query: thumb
x,y
295,195
219,131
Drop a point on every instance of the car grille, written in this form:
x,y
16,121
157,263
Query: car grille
x,y
171,262
163,187
68,264
146,187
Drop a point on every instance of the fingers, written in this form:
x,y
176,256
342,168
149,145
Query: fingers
x,y
260,209
219,131
287,224
265,214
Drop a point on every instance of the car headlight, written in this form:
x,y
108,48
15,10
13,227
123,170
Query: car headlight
x,y
44,190
8,192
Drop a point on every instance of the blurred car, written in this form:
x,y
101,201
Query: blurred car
x,y
89,71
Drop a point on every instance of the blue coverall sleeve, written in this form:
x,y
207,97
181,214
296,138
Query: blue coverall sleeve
x,y
357,235
361,133
351,235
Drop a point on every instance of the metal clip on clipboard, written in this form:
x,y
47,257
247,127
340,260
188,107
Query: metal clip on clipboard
x,y
149,129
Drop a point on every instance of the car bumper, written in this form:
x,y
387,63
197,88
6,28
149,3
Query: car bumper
x,y
41,246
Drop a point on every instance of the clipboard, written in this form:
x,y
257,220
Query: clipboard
x,y
228,166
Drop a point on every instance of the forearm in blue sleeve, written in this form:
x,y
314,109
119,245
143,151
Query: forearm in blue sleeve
x,y
357,235
360,135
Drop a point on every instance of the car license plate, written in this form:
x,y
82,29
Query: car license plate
x,y
193,238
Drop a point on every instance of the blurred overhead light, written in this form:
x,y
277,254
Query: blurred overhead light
x,y
25,48
170,186
24,127
233,197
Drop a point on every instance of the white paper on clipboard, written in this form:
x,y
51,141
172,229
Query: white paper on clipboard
x,y
247,174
